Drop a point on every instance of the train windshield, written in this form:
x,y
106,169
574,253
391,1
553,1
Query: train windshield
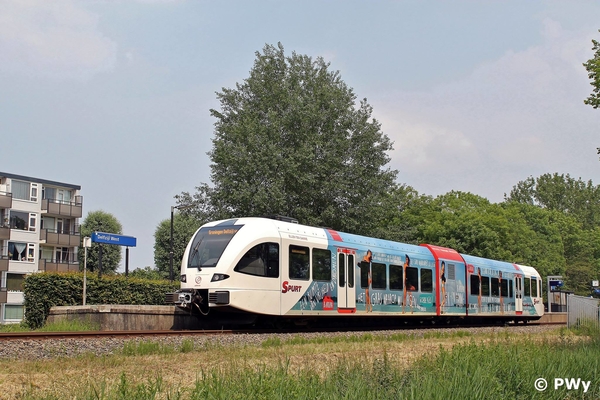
x,y
209,244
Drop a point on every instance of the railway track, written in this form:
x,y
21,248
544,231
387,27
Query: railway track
x,y
5,336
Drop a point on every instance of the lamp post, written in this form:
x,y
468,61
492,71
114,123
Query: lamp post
x,y
180,207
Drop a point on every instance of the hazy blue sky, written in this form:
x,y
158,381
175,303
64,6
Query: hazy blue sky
x,y
115,95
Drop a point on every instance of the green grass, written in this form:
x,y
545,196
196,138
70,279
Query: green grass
x,y
364,338
501,366
501,369
61,326
145,348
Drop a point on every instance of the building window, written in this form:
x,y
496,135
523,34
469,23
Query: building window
x,y
48,193
34,192
16,312
21,251
20,190
14,282
22,220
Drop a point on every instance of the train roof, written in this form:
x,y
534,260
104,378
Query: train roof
x,y
487,263
529,271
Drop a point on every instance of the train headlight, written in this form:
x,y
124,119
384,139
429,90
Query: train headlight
x,y
219,277
183,278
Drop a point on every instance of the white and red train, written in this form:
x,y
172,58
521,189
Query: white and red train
x,y
245,268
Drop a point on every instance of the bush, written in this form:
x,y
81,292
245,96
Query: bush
x,y
47,289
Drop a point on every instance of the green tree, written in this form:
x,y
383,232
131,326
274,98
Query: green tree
x,y
184,227
593,68
100,221
292,139
511,232
563,193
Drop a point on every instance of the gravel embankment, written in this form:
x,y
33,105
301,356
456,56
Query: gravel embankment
x,y
53,348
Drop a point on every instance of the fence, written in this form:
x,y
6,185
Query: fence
x,y
582,310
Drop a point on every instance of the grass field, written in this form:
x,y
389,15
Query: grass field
x,y
457,365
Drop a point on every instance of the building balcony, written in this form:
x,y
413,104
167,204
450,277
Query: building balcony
x,y
4,263
52,236
4,232
5,200
72,209
58,266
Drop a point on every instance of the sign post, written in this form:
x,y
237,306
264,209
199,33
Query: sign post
x,y
87,243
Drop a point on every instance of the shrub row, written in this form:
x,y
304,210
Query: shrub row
x,y
45,290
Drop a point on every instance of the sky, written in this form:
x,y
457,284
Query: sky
x,y
115,95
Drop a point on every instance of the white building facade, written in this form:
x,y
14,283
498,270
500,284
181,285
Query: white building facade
x,y
39,231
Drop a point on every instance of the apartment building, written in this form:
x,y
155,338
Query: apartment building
x,y
39,231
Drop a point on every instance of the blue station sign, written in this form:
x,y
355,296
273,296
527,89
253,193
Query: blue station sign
x,y
113,238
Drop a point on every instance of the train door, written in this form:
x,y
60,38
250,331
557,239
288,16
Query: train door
x,y
346,281
518,294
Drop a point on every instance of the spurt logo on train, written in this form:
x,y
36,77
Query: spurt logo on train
x,y
290,288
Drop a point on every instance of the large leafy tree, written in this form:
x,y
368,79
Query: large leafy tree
x,y
101,221
292,139
562,193
184,227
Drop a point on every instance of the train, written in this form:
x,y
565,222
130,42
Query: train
x,y
244,270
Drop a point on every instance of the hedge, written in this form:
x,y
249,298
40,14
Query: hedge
x,y
48,289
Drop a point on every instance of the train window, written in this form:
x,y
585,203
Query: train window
x,y
299,262
350,271
412,278
261,260
396,278
451,272
342,269
379,278
209,244
510,289
426,280
495,287
321,265
485,286
364,274
475,285
527,287
504,288
534,291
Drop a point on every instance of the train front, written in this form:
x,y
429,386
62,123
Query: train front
x,y
210,275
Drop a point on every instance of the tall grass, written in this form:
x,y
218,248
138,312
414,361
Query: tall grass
x,y
145,348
